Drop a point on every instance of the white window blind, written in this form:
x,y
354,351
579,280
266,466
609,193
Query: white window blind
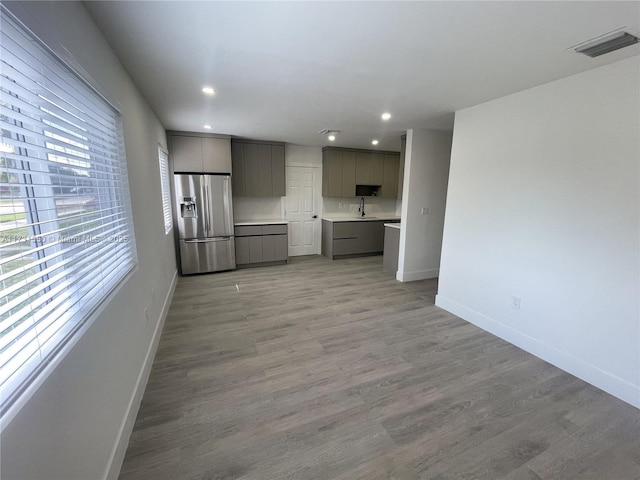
x,y
163,159
66,236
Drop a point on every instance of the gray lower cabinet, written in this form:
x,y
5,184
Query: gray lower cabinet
x,y
353,238
261,244
391,249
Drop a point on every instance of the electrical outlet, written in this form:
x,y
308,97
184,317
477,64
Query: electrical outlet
x,y
424,210
515,302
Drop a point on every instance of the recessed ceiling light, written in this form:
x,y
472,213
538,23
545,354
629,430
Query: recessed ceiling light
x,y
207,126
386,116
331,138
208,90
374,142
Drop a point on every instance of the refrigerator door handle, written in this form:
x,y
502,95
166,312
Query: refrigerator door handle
x,y
207,190
207,240
205,204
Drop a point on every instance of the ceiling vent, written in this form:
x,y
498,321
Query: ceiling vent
x,y
328,131
610,44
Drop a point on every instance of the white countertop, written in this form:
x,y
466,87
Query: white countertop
x,y
393,225
268,221
373,218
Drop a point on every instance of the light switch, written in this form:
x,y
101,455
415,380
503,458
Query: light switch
x,y
425,211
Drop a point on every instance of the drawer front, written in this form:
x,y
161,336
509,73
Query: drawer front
x,y
347,246
347,229
246,230
274,229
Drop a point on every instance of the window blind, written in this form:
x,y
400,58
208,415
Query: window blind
x,y
66,236
163,158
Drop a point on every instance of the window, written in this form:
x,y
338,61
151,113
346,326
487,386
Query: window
x,y
66,236
163,158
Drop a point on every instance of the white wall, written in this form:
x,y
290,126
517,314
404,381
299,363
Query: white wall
x,y
300,155
71,425
543,204
426,171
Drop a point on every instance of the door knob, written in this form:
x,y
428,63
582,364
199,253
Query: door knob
x,y
314,216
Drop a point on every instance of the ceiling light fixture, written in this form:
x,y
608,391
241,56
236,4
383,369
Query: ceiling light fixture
x,y
207,126
331,138
374,142
208,90
386,116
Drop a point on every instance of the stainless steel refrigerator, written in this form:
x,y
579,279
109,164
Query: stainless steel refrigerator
x,y
204,215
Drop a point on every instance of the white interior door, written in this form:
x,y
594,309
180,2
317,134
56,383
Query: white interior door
x,y
302,210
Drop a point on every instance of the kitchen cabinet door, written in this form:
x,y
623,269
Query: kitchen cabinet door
x,y
255,249
216,155
376,169
282,247
363,168
389,187
348,174
242,250
332,174
264,168
237,171
277,171
251,170
186,153
268,248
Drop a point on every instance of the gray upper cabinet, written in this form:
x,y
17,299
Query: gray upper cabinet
x,y
389,187
339,173
369,168
332,173
195,153
343,169
277,171
216,155
258,169
237,169
348,174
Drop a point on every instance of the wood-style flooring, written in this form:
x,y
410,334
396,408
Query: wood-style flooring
x,y
326,369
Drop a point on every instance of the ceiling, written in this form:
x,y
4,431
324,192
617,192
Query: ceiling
x,y
285,70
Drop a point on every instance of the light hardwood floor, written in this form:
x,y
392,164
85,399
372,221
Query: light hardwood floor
x,y
334,370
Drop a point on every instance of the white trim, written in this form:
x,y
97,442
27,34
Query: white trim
x,y
417,275
120,447
606,381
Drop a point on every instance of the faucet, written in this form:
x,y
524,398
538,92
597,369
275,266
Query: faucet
x,y
361,208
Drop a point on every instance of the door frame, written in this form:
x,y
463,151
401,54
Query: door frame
x,y
318,183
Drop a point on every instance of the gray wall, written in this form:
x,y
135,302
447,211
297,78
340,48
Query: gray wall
x,y
543,205
71,426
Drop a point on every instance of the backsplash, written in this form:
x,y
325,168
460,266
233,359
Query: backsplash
x,y
373,206
257,208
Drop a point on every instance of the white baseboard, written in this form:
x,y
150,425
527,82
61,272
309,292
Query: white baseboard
x,y
606,381
120,448
417,275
